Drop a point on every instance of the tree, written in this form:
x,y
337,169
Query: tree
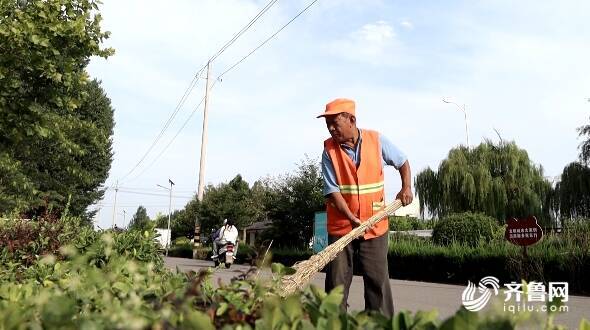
x,y
292,202
232,200
45,47
182,224
51,169
140,219
584,131
573,192
497,180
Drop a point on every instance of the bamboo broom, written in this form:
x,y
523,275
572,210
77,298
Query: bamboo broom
x,y
304,270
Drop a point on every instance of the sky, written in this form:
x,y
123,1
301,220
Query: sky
x,y
520,68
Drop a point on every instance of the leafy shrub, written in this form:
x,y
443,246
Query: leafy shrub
x,y
182,241
577,232
182,247
113,282
555,258
408,223
290,256
246,254
23,241
181,251
465,228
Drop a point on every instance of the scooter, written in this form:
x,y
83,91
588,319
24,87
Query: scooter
x,y
225,253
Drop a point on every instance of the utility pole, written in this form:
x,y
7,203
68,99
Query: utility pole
x,y
124,213
169,214
204,137
200,191
115,205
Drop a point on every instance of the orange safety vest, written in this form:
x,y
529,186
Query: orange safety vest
x,y
362,187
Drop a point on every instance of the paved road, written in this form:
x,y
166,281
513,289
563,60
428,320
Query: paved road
x,y
408,295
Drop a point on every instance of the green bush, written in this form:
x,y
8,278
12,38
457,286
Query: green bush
x,y
113,282
24,242
246,254
182,247
289,257
182,251
465,228
408,223
556,258
182,241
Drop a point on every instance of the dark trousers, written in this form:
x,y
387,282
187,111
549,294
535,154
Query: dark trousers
x,y
372,256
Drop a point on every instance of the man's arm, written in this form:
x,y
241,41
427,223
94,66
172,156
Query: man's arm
x,y
393,156
405,194
340,204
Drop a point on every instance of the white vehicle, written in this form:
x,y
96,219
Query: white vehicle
x,y
163,238
225,242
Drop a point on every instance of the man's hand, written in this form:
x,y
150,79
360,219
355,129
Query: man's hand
x,y
405,195
355,221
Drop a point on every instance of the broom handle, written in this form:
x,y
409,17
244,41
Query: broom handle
x,y
357,232
304,270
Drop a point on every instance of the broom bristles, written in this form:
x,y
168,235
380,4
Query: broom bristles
x,y
304,270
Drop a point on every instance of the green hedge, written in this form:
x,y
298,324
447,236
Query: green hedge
x,y
409,223
290,256
181,251
558,257
551,260
465,228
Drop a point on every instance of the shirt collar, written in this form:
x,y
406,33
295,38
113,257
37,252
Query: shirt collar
x,y
358,142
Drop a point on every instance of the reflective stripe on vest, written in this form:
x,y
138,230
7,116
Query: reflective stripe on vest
x,y
362,188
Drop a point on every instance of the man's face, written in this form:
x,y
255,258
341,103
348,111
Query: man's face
x,y
341,127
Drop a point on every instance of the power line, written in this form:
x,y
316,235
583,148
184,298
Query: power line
x,y
193,84
223,48
183,99
152,194
142,189
139,204
173,138
267,40
244,29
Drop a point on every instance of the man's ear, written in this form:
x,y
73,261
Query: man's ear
x,y
352,119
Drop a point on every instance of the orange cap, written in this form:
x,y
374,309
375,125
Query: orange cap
x,y
339,106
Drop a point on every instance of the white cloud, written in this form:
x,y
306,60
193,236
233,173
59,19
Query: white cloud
x,y
374,43
529,84
380,32
406,24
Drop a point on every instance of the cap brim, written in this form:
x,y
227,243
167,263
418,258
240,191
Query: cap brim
x,y
328,114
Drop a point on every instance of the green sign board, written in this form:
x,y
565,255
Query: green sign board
x,y
320,232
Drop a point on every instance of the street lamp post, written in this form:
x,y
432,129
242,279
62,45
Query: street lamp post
x,y
461,108
169,212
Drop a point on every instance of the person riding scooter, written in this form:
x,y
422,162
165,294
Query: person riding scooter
x,y
227,233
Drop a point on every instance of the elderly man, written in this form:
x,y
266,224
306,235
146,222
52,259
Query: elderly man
x,y
352,166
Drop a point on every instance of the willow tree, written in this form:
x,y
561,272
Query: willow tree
x,y
573,192
584,132
496,179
